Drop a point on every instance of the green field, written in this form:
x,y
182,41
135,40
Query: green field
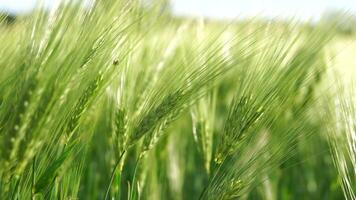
x,y
123,101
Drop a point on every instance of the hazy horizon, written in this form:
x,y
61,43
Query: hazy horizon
x,y
227,9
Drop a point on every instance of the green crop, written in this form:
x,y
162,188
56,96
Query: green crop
x,y
121,100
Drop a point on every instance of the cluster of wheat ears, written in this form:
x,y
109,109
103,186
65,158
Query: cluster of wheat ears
x,y
119,100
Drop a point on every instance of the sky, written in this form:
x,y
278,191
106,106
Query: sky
x,y
230,9
301,9
19,6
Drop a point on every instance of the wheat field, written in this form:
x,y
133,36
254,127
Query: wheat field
x,y
122,100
